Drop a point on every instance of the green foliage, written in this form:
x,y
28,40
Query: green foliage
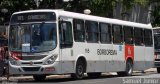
x,y
105,7
14,6
156,15
127,4
102,7
142,2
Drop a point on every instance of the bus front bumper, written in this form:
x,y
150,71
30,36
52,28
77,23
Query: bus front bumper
x,y
34,69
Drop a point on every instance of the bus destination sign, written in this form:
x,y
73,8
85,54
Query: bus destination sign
x,y
33,17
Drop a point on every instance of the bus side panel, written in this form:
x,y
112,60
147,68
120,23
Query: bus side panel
x,y
105,58
139,57
149,57
93,59
67,60
119,59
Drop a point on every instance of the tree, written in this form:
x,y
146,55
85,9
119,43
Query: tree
x,y
102,7
14,6
156,15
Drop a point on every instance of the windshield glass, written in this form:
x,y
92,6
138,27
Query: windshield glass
x,y
36,37
157,41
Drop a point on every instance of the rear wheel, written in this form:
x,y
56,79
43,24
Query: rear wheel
x,y
94,75
158,69
39,77
80,69
129,69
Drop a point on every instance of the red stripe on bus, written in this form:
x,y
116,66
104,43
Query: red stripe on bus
x,y
129,52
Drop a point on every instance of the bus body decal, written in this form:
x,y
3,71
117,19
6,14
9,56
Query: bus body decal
x,y
129,52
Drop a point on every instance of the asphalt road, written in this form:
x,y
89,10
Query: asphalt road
x,y
106,78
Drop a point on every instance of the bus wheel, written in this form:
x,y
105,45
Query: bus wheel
x,y
158,69
129,69
94,75
80,69
39,77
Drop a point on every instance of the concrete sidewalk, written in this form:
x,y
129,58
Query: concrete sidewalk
x,y
151,70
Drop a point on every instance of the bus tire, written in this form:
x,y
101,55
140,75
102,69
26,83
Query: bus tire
x,y
39,77
158,69
129,69
80,69
94,75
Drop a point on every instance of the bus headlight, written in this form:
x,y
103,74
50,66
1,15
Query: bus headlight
x,y
51,60
14,62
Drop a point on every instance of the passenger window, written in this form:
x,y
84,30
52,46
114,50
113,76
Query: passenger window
x,y
128,34
138,33
79,32
66,38
148,37
91,31
105,33
117,34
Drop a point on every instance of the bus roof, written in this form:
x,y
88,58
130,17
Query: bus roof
x,y
156,27
156,30
90,17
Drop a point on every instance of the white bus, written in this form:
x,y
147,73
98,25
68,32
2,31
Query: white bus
x,y
44,42
156,32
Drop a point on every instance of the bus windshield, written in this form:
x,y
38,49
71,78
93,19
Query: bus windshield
x,y
33,37
157,41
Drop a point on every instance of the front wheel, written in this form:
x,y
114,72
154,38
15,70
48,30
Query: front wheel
x,y
39,77
80,69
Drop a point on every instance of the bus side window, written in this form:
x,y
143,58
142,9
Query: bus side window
x,y
92,32
128,34
66,39
79,31
148,37
105,33
138,37
117,34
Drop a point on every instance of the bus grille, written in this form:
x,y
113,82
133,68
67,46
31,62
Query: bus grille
x,y
33,57
31,68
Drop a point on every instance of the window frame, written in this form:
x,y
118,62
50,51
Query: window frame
x,y
90,32
137,37
120,35
108,33
129,36
148,37
62,36
75,31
